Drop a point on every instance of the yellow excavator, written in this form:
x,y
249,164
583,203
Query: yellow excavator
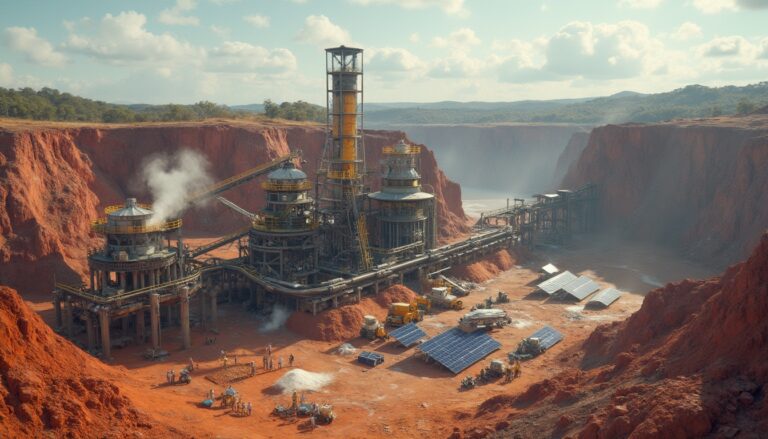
x,y
401,313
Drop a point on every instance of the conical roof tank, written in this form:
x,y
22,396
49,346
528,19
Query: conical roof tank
x,y
288,172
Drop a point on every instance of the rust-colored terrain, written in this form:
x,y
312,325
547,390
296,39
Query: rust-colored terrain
x,y
692,362
49,386
55,179
697,185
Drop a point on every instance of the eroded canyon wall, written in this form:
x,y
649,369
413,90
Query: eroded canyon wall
x,y
519,159
698,185
55,181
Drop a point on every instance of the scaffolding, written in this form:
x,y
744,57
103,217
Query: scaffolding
x,y
341,185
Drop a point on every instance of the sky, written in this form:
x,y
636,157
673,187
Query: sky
x,y
240,51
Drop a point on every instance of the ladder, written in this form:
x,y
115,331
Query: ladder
x,y
362,235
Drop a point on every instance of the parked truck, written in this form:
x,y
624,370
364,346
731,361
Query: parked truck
x,y
484,319
440,296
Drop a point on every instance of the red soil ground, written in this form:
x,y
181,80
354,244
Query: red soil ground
x,y
50,387
485,269
344,322
692,362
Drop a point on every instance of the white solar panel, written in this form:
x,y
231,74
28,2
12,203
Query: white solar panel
x,y
580,288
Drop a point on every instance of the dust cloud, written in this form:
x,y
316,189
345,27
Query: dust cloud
x,y
276,320
172,179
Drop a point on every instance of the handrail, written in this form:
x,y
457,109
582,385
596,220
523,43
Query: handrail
x,y
130,294
101,225
408,150
340,175
286,187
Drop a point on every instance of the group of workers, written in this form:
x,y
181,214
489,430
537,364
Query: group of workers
x,y
268,363
242,408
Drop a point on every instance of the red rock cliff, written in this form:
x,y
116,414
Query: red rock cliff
x,y
692,362
698,185
57,180
50,388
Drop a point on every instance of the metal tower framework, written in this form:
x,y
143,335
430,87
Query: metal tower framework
x,y
341,185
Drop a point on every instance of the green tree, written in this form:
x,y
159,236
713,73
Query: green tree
x,y
745,106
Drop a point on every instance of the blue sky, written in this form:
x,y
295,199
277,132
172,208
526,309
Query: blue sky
x,y
240,51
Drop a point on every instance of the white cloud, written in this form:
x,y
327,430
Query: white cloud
x,y
6,75
714,6
219,30
453,7
457,65
764,48
687,31
393,60
36,50
123,38
585,50
731,46
237,56
320,31
176,14
640,4
414,37
461,39
223,2
259,21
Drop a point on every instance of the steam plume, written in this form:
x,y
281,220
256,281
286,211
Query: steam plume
x,y
276,319
172,179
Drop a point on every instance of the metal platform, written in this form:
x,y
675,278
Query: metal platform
x,y
370,358
548,337
552,285
457,350
604,298
579,288
408,335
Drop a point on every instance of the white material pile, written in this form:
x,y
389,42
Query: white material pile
x,y
346,349
300,380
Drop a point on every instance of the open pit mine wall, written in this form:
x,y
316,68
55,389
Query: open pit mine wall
x,y
519,160
698,188
56,181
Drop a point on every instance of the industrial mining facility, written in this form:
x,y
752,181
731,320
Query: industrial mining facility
x,y
316,245
311,247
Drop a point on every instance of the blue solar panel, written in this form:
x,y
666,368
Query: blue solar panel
x,y
408,335
457,350
547,336
370,358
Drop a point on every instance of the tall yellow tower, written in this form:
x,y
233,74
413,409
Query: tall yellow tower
x,y
342,171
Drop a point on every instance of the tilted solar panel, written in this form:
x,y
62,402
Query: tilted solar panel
x,y
457,350
547,336
408,335
605,298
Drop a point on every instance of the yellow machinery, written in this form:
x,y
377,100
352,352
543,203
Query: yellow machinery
x,y
372,329
423,303
401,313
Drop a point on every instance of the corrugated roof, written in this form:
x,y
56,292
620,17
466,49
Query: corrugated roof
x,y
580,288
605,298
550,269
131,209
552,285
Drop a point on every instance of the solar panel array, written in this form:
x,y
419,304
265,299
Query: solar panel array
x,y
580,288
605,298
552,285
548,337
457,350
370,358
408,335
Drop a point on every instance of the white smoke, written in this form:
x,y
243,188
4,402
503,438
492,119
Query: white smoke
x,y
172,179
276,320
